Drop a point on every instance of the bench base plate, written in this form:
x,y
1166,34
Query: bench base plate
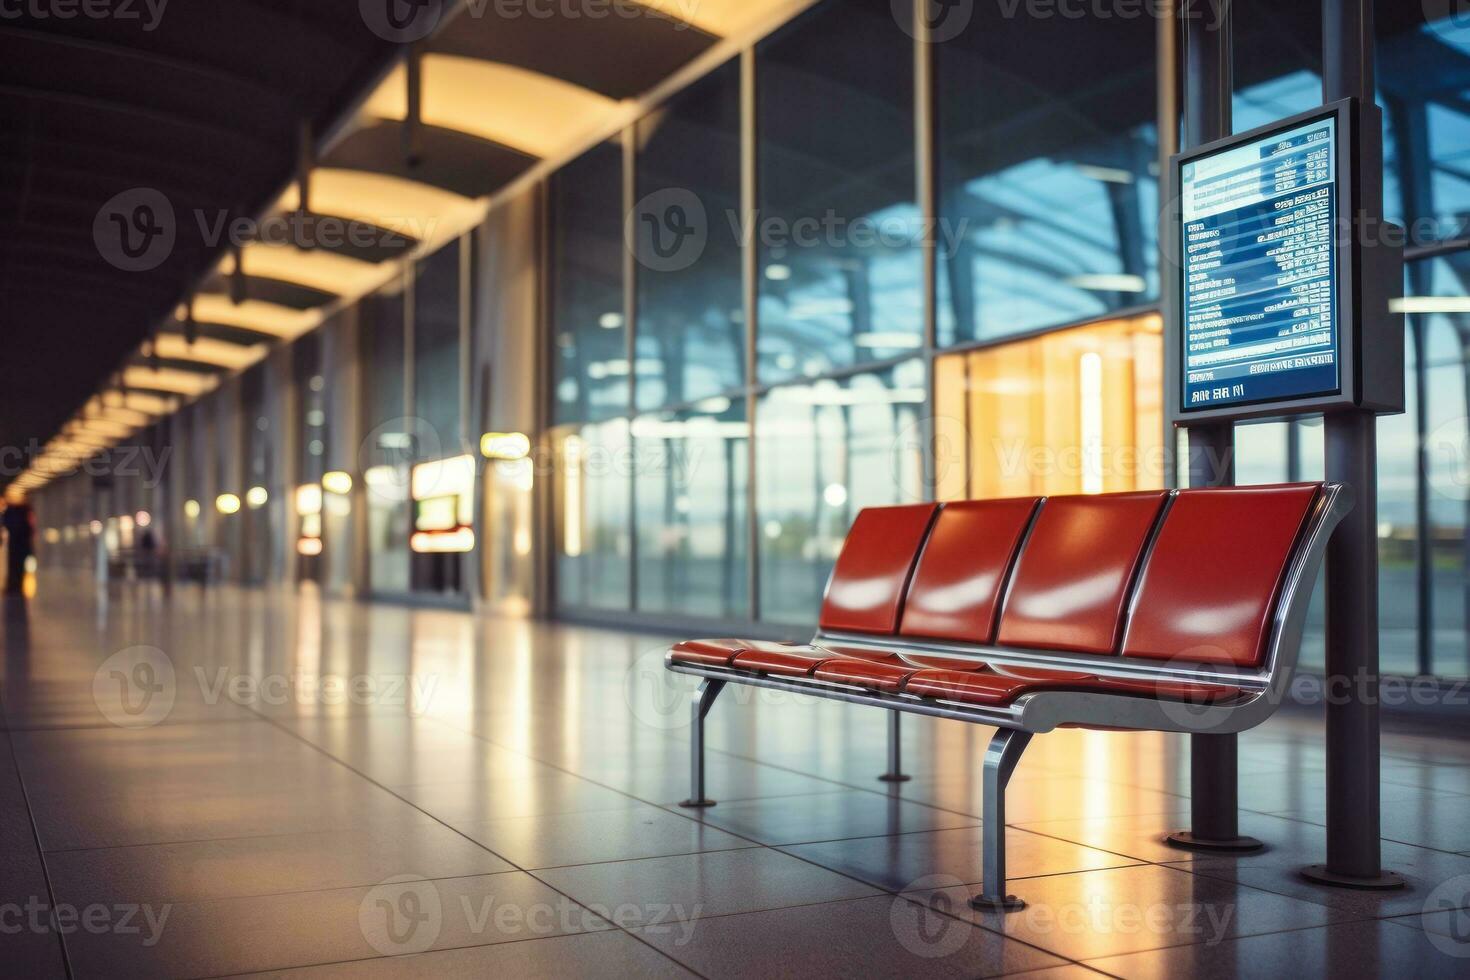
x,y
1383,881
1007,903
693,804
1187,841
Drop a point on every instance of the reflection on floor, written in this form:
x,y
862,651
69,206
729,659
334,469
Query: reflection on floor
x,y
236,781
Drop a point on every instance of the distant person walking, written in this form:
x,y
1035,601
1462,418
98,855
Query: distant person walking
x,y
19,524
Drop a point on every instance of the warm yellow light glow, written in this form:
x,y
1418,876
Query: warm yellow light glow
x,y
529,111
256,497
317,269
253,314
309,546
571,537
723,18
443,477
394,203
121,415
336,481
191,509
1090,424
311,525
142,518
106,428
208,350
1430,304
441,542
505,445
137,401
309,499
179,382
227,503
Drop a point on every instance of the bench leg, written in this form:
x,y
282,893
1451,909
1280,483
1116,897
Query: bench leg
x,y
1000,761
895,773
699,706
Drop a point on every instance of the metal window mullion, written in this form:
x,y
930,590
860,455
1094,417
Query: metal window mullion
x,y
750,284
925,183
630,319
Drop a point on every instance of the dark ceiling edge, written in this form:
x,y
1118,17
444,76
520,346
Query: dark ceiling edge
x,y
330,127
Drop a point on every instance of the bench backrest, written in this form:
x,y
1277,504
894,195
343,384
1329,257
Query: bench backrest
x,y
1193,577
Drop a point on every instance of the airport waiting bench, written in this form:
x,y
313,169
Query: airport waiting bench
x,y
1172,611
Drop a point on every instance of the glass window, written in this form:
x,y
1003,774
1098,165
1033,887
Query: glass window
x,y
1047,172
590,340
691,499
824,451
388,446
1073,411
691,330
310,385
436,353
838,229
592,508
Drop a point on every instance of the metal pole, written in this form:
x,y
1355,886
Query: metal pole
x,y
1208,90
1353,852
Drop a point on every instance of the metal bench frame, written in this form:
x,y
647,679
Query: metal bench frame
x,y
1263,689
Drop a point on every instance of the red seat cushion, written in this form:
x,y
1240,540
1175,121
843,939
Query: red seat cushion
x,y
796,661
976,687
1209,589
867,586
880,675
715,653
1073,576
986,687
956,585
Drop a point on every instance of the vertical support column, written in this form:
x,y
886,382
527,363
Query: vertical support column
x,y
699,705
895,773
1213,769
1351,453
1005,749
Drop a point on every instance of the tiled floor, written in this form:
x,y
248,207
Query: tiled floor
x,y
242,782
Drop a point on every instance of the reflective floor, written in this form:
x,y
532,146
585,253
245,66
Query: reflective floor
x,y
235,781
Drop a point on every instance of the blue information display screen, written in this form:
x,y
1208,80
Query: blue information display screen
x,y
1259,270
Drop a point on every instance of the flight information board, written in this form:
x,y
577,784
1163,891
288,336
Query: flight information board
x,y
1259,270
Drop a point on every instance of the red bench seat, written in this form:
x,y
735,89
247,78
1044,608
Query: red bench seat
x,y
1165,610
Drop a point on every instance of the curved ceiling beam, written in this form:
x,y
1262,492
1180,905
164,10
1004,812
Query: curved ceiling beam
x,y
316,269
268,318
190,384
392,203
208,351
525,110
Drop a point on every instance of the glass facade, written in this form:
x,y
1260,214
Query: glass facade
x,y
1047,173
736,341
691,317
590,363
837,227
